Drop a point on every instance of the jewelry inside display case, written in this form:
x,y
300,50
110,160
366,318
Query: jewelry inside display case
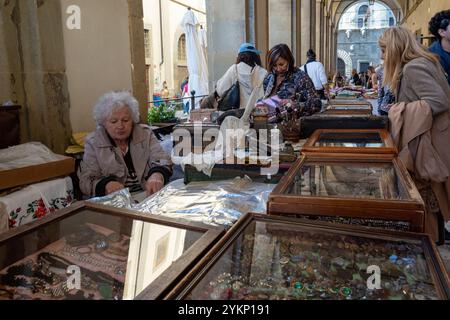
x,y
367,141
94,252
351,189
279,258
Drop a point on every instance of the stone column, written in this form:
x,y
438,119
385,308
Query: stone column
x,y
226,31
305,23
318,28
37,70
262,27
280,22
137,45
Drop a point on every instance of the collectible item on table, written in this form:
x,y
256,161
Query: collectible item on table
x,y
290,124
326,121
268,258
201,135
369,190
93,252
201,115
365,141
260,117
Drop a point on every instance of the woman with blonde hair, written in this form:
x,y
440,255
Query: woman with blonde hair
x,y
420,119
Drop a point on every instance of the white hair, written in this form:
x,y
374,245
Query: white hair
x,y
112,101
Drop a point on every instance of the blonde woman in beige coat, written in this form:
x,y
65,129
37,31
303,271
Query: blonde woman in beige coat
x,y
418,82
121,153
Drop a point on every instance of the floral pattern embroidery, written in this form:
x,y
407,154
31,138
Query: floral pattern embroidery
x,y
37,209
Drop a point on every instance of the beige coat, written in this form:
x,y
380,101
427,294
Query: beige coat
x,y
102,159
420,128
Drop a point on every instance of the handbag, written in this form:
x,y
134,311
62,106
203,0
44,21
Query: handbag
x,y
231,99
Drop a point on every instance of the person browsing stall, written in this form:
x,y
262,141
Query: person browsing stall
x,y
122,153
440,27
420,119
248,71
289,82
316,71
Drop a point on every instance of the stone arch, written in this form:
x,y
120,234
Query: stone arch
x,y
345,56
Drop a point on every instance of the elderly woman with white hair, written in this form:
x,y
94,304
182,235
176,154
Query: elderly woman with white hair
x,y
122,153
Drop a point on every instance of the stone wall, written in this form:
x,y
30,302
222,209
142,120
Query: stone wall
x,y
361,47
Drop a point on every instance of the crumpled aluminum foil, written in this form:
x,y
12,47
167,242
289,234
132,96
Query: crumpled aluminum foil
x,y
218,203
118,199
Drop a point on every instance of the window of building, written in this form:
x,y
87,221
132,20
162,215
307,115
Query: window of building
x,y
363,10
391,21
182,48
147,43
360,22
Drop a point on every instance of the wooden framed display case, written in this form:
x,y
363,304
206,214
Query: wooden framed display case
x,y
374,191
356,109
339,121
365,141
35,173
112,254
357,102
277,258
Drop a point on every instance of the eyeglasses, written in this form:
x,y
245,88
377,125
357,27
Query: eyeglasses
x,y
444,24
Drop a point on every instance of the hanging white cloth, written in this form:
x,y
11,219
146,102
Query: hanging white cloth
x,y
196,60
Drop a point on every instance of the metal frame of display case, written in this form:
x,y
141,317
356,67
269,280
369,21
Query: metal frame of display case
x,y
390,210
434,261
160,286
389,147
357,109
350,102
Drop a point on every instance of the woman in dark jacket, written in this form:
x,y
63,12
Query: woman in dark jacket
x,y
289,82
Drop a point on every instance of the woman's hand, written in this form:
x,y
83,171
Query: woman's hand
x,y
113,186
154,183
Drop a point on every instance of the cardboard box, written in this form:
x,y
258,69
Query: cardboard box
x,y
36,173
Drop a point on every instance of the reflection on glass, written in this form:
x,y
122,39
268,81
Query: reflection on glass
x,y
350,140
114,258
279,262
348,181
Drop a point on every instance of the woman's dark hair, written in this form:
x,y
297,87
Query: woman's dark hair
x,y
437,22
250,58
371,68
277,52
311,54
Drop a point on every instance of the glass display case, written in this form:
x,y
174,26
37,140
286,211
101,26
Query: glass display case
x,y
371,191
341,121
367,141
279,258
93,252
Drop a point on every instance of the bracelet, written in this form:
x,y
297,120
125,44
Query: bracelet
x,y
84,250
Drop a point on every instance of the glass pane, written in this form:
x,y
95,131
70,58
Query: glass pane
x,y
276,261
114,258
352,180
350,140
